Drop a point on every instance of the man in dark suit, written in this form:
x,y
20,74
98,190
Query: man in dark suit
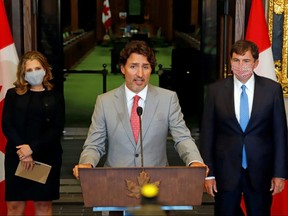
x,y
249,158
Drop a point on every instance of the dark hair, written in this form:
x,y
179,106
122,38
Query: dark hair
x,y
242,46
21,84
139,47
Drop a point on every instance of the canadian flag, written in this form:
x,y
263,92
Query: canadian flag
x,y
106,14
257,31
8,67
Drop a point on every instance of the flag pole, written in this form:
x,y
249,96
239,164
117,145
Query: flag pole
x,y
106,19
226,7
106,36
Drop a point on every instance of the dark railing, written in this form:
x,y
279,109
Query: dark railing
x,y
104,73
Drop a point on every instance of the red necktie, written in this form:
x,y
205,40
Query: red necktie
x,y
134,119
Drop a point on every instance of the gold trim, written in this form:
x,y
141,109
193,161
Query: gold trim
x,y
284,80
270,19
279,6
281,66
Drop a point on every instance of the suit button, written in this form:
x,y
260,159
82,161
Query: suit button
x,y
47,119
136,155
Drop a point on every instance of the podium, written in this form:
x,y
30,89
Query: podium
x,y
110,189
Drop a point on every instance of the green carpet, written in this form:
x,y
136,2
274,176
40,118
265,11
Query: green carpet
x,y
100,55
81,90
94,59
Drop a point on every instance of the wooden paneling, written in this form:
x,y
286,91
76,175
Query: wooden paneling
x,y
75,50
14,15
29,26
74,15
160,15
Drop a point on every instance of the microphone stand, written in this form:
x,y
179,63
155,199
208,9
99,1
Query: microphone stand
x,y
139,113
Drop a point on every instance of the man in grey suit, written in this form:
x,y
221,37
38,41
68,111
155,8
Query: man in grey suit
x,y
111,126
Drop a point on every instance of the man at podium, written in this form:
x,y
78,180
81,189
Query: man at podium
x,y
118,123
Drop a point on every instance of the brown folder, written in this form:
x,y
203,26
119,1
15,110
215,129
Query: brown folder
x,y
39,173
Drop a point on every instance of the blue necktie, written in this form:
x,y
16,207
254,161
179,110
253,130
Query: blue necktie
x,y
244,118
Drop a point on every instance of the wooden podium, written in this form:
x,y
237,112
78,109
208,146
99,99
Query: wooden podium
x,y
108,187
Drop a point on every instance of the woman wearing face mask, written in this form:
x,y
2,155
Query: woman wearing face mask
x,y
33,121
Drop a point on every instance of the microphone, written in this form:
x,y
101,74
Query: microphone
x,y
139,113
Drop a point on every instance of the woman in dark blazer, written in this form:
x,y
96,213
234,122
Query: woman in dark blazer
x,y
33,121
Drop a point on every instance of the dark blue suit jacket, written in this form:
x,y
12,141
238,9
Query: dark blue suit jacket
x,y
265,137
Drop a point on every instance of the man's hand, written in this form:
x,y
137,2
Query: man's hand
x,y
199,164
76,167
277,185
210,186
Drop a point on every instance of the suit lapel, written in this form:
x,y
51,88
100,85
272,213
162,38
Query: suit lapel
x,y
256,104
121,107
228,99
24,101
151,104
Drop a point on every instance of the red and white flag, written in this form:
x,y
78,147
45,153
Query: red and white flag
x,y
8,68
257,31
106,14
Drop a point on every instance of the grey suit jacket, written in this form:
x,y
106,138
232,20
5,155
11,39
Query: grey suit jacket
x,y
110,131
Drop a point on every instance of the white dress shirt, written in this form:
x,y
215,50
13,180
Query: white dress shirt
x,y
130,98
237,93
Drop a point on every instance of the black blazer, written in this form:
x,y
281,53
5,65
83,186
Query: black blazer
x,y
15,120
265,137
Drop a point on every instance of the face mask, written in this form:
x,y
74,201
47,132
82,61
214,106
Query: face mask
x,y
35,78
242,71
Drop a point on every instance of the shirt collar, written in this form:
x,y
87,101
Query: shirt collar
x,y
130,94
249,84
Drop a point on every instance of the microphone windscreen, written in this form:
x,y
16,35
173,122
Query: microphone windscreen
x,y
139,111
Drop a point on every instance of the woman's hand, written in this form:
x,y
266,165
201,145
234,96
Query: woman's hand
x,y
27,163
24,151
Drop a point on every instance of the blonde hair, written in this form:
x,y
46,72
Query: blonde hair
x,y
21,85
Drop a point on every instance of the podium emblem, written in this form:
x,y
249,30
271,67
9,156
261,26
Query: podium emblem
x,y
134,188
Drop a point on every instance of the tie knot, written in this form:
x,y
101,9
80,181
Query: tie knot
x,y
243,88
136,98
